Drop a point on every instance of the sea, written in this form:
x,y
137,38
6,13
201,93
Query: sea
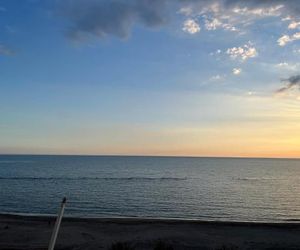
x,y
193,188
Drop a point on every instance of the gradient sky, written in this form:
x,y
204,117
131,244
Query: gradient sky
x,y
142,77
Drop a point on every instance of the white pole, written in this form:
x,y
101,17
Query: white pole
x,y
57,225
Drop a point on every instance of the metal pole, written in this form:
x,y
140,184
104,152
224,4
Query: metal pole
x,y
57,225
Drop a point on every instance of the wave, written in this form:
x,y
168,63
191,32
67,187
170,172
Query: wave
x,y
256,179
95,178
292,220
14,161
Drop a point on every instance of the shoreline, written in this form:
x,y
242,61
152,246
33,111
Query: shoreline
x,y
33,232
129,219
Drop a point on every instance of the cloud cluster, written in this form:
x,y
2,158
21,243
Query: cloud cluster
x,y
285,39
231,15
191,26
243,53
102,18
293,81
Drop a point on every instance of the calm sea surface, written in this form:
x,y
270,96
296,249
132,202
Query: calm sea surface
x,y
167,187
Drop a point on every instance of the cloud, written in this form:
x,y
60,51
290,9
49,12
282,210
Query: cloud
x,y
216,78
296,51
5,51
285,39
101,18
293,25
288,66
217,52
231,15
282,65
212,23
191,26
267,7
237,71
293,81
282,41
243,53
259,12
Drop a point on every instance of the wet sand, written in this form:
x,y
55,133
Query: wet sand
x,y
34,232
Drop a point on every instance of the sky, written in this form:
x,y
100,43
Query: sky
x,y
150,77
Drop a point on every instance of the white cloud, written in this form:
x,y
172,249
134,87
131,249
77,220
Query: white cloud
x,y
237,71
293,25
282,41
216,78
282,65
285,39
287,18
243,53
259,12
288,66
213,24
191,26
218,15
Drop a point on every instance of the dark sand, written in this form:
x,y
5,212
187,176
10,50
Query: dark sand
x,y
32,232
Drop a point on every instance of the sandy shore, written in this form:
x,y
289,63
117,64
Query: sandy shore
x,y
33,232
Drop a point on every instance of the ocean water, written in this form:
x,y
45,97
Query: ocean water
x,y
226,189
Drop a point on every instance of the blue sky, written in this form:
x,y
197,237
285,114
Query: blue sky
x,y
150,77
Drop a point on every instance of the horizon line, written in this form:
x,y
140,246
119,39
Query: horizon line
x,y
166,156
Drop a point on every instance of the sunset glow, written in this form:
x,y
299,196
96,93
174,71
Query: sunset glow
x,y
182,78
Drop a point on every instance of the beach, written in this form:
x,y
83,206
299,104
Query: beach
x,y
34,232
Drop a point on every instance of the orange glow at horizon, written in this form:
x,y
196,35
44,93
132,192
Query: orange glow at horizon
x,y
253,127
